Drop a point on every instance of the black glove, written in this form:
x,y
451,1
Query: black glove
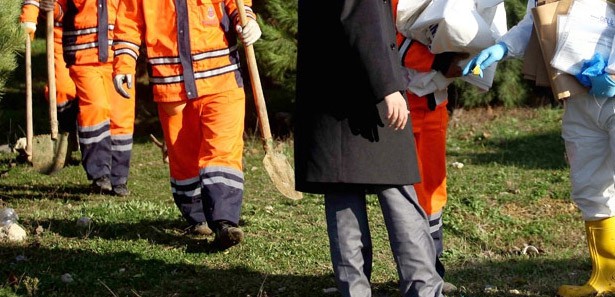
x,y
47,5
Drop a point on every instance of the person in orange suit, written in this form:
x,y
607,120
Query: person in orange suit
x,y
66,93
193,57
106,119
429,115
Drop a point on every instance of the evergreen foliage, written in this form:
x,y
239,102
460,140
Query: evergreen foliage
x,y
12,39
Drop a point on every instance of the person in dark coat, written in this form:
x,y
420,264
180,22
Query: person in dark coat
x,y
353,137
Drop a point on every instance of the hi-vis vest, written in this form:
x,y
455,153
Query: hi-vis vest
x,y
191,45
87,30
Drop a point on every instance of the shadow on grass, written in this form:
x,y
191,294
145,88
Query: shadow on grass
x,y
540,151
129,274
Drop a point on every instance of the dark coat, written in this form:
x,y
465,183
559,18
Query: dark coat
x,y
347,62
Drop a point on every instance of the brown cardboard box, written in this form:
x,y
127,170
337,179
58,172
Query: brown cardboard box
x,y
545,23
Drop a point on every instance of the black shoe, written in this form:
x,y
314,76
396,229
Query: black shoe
x,y
227,236
101,184
121,190
200,229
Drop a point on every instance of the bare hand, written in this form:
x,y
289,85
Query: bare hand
x,y
397,110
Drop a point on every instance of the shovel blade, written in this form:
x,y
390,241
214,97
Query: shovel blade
x,y
49,155
282,174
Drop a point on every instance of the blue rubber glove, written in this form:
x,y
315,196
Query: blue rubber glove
x,y
602,85
486,57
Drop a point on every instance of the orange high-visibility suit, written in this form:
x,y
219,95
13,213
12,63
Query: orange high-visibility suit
x,y
194,67
106,119
65,87
429,125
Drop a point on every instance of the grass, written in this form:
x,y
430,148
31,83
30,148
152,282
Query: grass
x,y
511,194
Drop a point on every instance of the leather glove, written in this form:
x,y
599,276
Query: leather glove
x,y
47,5
29,28
486,57
603,85
249,33
118,83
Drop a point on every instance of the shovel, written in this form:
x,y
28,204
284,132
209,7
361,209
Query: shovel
x,y
276,164
48,152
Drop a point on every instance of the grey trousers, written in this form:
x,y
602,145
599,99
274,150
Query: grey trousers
x,y
408,229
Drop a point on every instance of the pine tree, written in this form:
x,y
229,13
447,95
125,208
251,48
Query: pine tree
x,y
12,39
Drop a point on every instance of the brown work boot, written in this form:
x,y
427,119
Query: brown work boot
x,y
101,184
227,235
200,229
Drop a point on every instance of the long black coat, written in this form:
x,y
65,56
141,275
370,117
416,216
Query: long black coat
x,y
347,63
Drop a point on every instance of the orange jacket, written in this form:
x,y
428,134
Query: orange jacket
x,y
199,58
29,13
86,23
415,55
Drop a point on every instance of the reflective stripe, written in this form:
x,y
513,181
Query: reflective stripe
x,y
222,180
96,139
215,169
194,193
121,148
31,2
70,48
185,182
201,74
95,127
84,31
126,51
126,43
122,137
196,57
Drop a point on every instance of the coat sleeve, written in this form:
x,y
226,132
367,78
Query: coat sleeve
x,y
370,32
517,38
127,38
29,11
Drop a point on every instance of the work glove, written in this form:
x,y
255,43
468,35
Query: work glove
x,y
29,28
118,83
249,33
603,85
485,58
47,5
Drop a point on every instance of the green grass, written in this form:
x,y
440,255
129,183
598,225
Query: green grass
x,y
511,193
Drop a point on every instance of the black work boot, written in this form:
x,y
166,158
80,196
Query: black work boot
x,y
121,190
227,235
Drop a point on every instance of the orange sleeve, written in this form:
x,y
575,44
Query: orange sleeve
x,y
29,11
231,9
127,36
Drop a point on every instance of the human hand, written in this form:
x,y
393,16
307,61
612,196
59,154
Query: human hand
x,y
397,110
602,85
249,33
118,83
29,28
486,57
47,5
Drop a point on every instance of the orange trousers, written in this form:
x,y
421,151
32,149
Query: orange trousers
x,y
105,123
429,128
204,138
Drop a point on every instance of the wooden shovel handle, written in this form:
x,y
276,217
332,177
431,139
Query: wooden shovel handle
x,y
257,89
51,76
29,125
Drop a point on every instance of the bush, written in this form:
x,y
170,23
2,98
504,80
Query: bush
x,y
11,39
